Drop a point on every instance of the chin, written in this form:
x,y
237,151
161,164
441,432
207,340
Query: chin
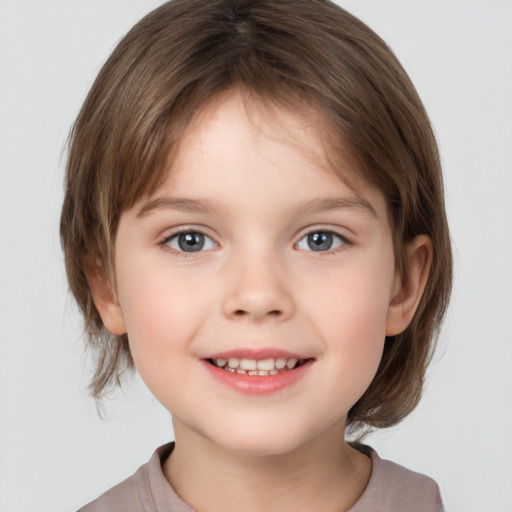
x,y
260,440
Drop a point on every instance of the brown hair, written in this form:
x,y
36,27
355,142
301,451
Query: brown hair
x,y
287,51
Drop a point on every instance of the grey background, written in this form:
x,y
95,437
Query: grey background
x,y
55,453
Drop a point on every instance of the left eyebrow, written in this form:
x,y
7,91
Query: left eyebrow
x,y
328,204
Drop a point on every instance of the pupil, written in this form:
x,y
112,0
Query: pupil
x,y
191,242
320,241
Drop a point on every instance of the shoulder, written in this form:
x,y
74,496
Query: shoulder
x,y
135,494
393,488
123,496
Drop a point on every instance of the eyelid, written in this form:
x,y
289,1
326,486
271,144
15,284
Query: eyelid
x,y
170,231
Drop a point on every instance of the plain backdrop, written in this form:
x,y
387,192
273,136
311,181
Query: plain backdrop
x,y
56,454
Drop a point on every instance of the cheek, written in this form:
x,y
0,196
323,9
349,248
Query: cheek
x,y
350,313
162,310
352,305
160,326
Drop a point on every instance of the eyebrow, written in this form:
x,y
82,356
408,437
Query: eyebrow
x,y
329,204
206,206
180,204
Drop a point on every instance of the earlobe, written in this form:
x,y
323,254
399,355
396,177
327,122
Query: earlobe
x,y
105,299
408,290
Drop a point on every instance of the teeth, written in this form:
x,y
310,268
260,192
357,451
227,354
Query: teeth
x,y
265,364
248,364
255,367
280,364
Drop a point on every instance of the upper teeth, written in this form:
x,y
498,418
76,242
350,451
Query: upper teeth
x,y
256,364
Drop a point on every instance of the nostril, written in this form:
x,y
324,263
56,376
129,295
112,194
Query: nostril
x,y
241,312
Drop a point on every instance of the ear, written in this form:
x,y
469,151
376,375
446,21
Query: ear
x,y
408,290
105,299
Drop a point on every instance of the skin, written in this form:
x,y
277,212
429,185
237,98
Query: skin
x,y
256,182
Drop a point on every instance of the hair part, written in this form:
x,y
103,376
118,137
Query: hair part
x,y
285,52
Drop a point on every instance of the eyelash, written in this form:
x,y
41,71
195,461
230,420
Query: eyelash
x,y
165,242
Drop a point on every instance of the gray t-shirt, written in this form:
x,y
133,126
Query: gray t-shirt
x,y
392,488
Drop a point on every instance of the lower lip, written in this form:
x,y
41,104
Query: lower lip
x,y
258,384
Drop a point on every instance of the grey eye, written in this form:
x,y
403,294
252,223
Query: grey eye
x,y
319,241
191,241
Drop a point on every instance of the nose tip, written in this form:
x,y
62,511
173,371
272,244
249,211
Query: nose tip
x,y
257,293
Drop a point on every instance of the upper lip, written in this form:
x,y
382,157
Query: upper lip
x,y
257,354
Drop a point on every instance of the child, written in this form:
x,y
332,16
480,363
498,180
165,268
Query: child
x,y
254,219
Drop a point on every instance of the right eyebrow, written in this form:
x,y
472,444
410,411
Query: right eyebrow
x,y
180,204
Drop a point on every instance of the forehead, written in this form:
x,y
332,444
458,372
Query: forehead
x,y
240,152
295,135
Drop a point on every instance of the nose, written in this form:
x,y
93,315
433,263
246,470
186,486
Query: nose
x,y
257,290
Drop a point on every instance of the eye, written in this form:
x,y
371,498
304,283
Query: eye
x,y
319,241
190,241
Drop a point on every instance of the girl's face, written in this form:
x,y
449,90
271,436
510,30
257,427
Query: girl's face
x,y
254,255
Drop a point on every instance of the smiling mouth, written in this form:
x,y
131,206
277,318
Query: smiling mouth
x,y
262,367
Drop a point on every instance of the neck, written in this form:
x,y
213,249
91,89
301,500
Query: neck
x,y
324,474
